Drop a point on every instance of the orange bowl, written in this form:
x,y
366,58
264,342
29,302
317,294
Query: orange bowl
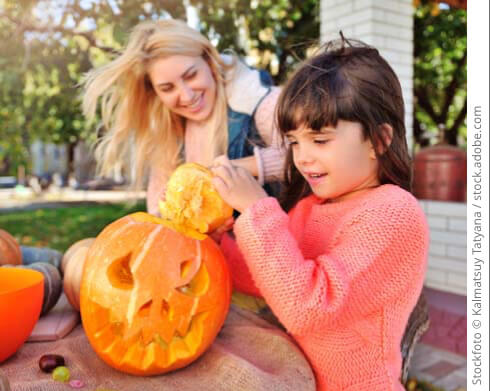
x,y
21,298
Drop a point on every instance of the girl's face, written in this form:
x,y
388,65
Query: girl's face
x,y
185,85
336,162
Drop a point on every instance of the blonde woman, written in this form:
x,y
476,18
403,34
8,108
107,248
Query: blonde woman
x,y
171,97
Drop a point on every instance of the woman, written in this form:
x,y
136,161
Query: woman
x,y
171,97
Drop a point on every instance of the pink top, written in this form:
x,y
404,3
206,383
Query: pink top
x,y
270,160
342,278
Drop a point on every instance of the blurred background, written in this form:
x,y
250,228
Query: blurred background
x,y
47,45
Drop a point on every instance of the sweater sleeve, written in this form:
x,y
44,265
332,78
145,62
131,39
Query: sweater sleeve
x,y
270,160
241,277
377,257
157,186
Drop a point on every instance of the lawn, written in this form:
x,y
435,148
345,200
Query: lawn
x,y
58,228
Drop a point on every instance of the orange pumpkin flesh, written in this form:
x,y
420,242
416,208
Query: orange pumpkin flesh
x,y
152,299
192,204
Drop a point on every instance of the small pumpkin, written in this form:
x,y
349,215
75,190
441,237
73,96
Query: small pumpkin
x,y
87,242
9,249
192,204
152,299
52,283
36,254
72,279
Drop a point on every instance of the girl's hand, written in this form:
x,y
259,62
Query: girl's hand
x,y
218,233
235,184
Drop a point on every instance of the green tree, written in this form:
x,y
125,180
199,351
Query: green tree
x,y
46,46
277,33
439,74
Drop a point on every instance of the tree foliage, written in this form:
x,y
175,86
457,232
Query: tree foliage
x,y
439,74
47,45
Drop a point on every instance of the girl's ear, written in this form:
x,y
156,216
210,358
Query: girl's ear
x,y
386,132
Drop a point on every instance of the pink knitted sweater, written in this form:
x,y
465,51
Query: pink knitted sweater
x,y
341,277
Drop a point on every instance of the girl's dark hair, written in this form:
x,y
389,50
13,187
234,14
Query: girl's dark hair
x,y
349,81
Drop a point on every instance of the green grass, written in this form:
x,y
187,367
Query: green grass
x,y
58,228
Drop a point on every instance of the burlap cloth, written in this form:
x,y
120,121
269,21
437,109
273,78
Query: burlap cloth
x,y
248,354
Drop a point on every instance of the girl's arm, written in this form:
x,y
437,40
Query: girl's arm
x,y
377,258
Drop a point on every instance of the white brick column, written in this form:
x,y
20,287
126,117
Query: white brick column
x,y
385,24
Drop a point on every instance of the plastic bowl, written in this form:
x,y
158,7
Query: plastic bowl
x,y
21,298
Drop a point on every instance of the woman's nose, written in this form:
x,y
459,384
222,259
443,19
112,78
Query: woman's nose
x,y
186,94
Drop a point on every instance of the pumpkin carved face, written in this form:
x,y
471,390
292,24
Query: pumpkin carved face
x,y
152,299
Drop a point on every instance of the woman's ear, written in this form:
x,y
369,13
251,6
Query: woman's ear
x,y
386,132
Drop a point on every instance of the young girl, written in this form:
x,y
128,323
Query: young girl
x,y
343,269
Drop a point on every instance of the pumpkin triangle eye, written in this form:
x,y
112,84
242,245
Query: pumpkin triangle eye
x,y
119,273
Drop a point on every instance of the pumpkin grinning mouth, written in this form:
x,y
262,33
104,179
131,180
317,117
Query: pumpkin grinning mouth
x,y
144,310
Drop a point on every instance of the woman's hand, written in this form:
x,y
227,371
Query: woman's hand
x,y
235,184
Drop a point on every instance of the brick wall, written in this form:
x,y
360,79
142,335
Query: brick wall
x,y
385,24
447,250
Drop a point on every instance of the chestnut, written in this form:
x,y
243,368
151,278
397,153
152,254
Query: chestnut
x,y
49,362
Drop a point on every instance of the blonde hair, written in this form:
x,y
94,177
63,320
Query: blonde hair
x,y
137,126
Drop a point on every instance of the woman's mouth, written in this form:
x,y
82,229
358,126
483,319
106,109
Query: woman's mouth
x,y
197,104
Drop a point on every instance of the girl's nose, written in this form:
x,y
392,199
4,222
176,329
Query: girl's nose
x,y
302,156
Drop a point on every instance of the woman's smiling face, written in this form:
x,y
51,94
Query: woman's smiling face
x,y
185,85
337,162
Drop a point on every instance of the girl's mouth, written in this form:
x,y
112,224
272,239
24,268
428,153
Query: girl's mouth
x,y
314,178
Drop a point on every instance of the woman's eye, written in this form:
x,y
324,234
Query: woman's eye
x,y
292,142
166,89
191,75
321,141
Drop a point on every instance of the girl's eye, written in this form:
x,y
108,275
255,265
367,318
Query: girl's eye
x,y
291,143
191,75
321,141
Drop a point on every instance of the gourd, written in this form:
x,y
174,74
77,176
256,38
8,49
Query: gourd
x,y
192,204
87,242
152,299
9,249
74,261
36,254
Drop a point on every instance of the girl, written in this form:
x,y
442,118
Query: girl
x,y
171,97
344,268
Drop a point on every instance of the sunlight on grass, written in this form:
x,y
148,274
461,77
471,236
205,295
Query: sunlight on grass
x,y
58,228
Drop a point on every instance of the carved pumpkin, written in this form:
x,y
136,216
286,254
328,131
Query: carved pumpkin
x,y
152,299
9,249
75,259
191,203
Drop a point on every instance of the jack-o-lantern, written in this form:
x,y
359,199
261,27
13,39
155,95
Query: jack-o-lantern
x,y
192,205
152,299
